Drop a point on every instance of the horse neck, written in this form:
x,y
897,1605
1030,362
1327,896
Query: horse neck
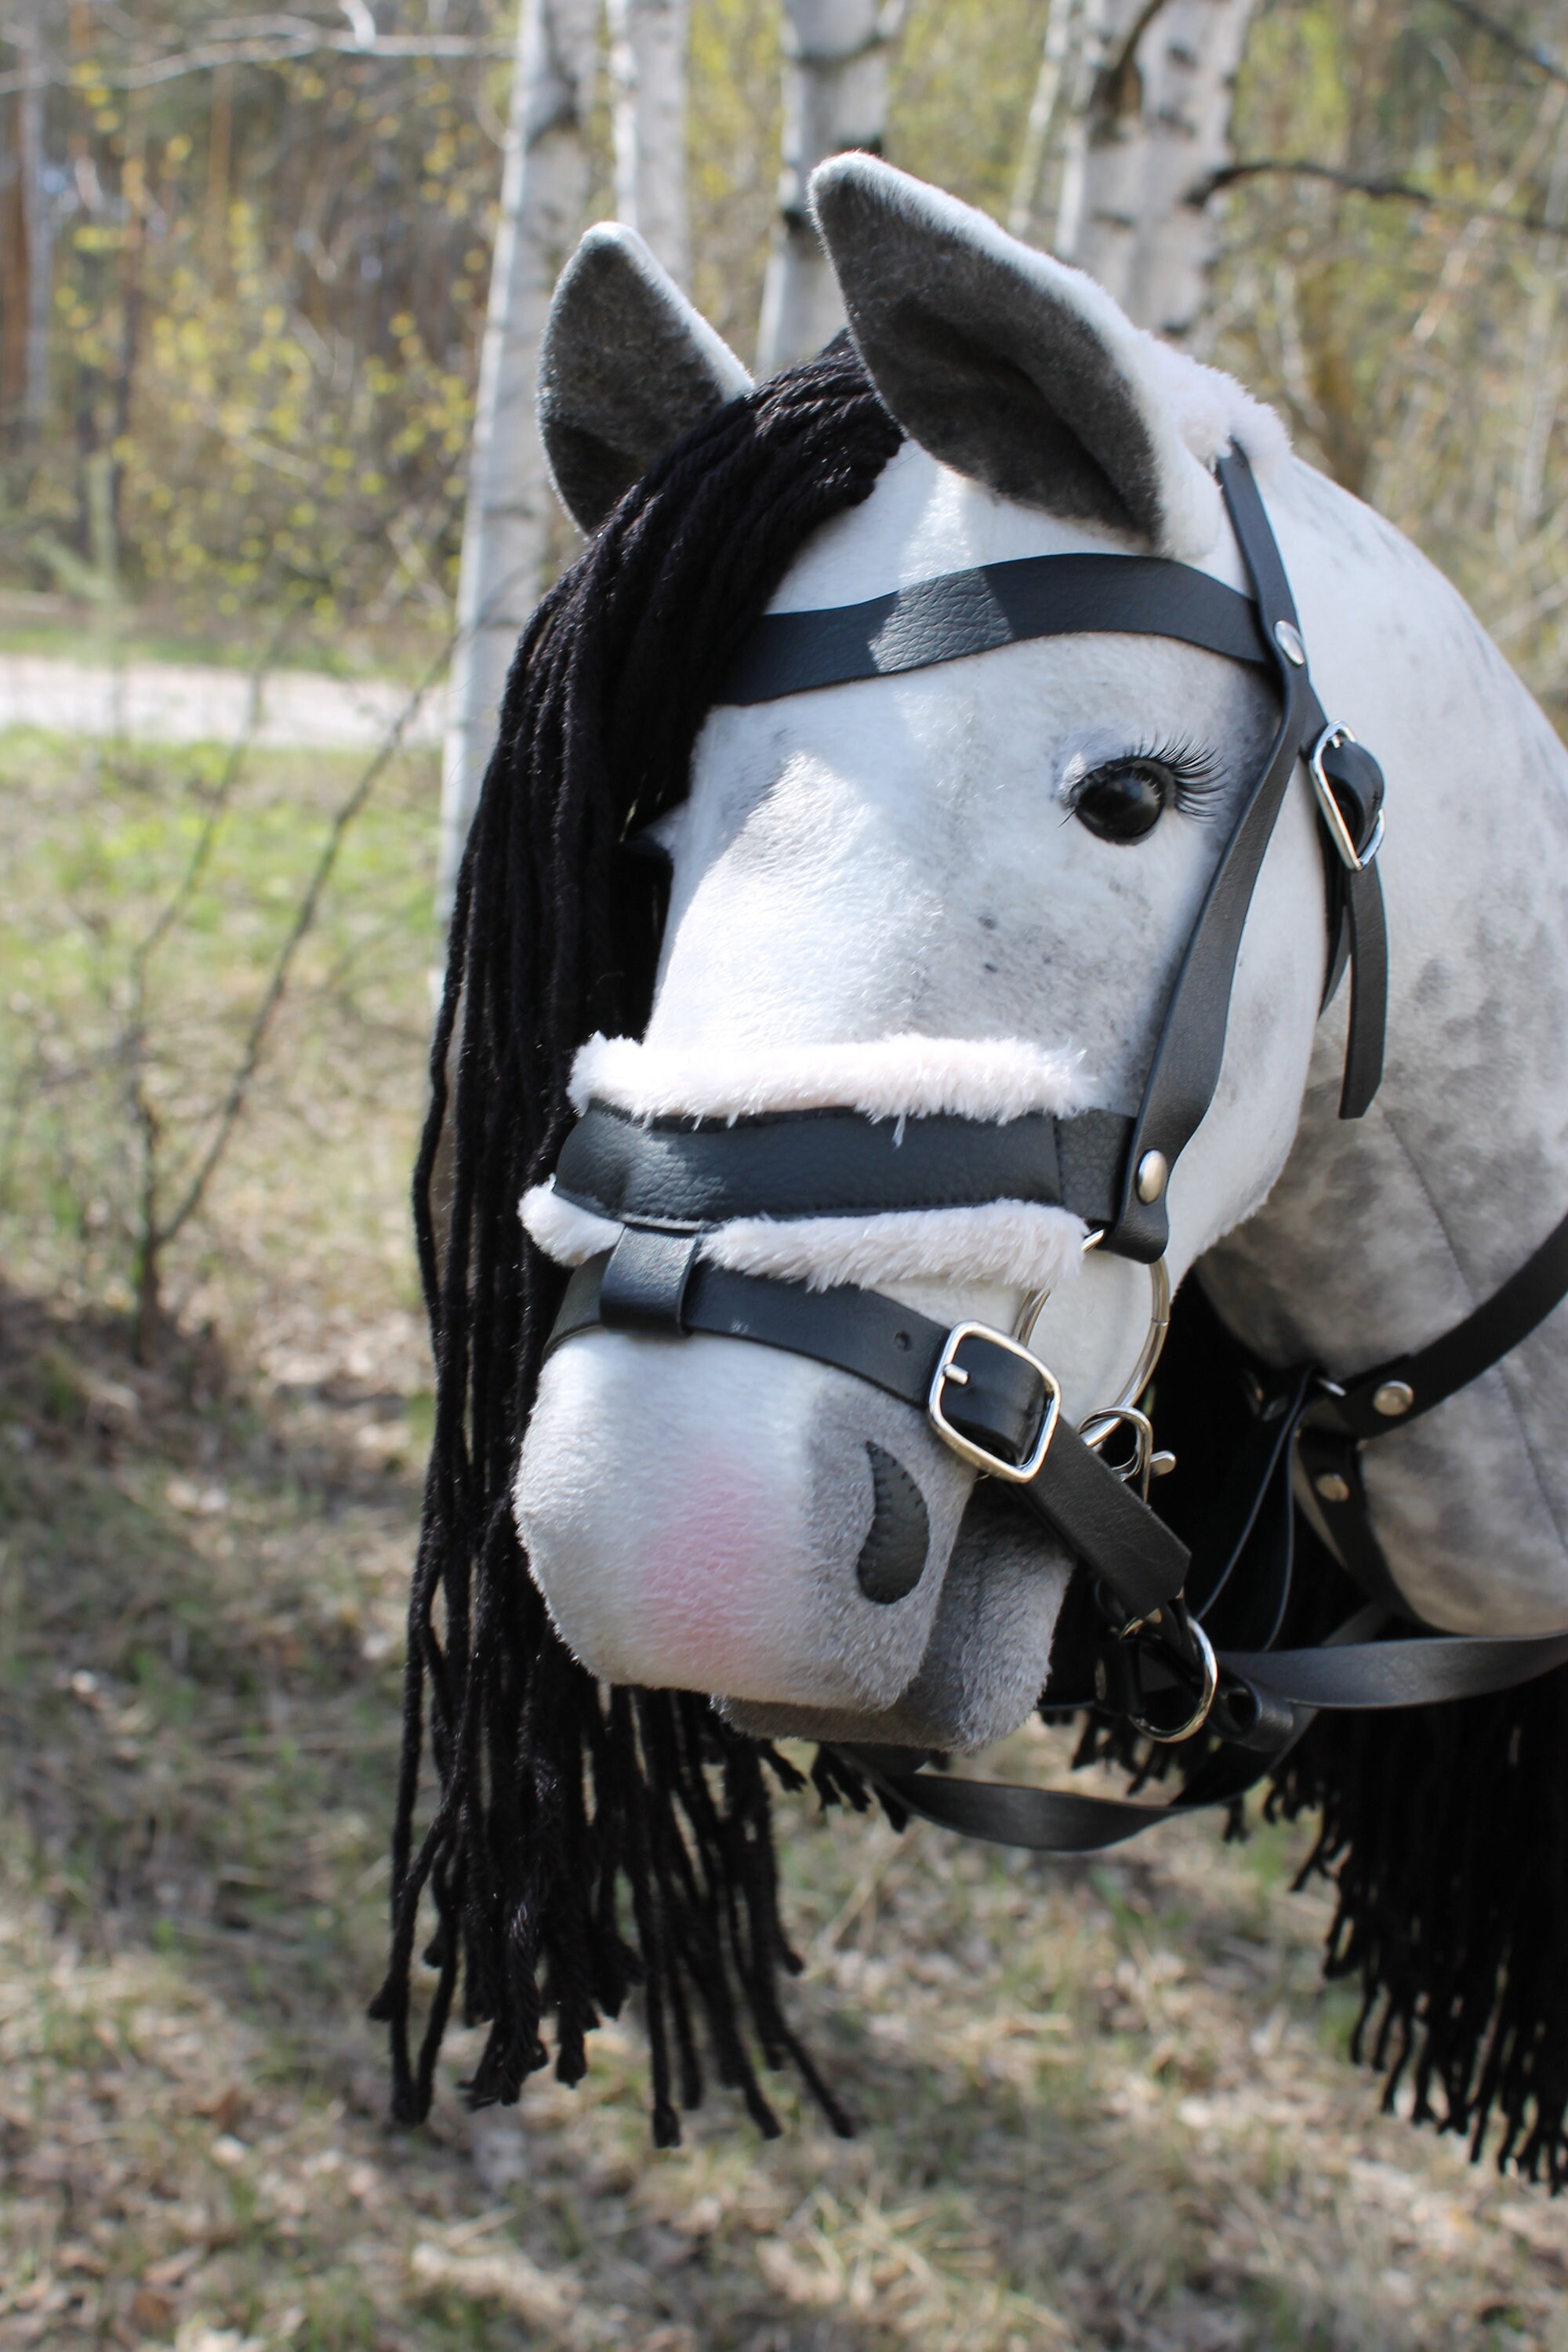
x,y
1382,1234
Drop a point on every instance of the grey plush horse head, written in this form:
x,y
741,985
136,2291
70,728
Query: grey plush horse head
x,y
893,895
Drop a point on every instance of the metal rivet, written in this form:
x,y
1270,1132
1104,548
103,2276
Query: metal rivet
x,y
1393,1398
1332,1488
1289,640
1153,1172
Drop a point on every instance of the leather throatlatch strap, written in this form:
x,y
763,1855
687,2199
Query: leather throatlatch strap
x,y
1337,1422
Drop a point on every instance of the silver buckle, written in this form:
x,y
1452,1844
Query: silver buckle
x,y
1017,1473
1332,814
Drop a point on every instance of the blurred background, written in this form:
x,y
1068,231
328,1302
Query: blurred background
x,y
271,511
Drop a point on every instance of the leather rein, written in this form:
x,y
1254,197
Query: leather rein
x,y
668,1181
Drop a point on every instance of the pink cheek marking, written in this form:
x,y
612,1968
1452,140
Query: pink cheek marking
x,y
705,1577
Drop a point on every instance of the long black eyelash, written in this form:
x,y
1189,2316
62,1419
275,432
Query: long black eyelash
x,y
1194,771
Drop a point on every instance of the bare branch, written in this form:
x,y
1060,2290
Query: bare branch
x,y
1529,51
1117,87
304,917
272,48
1374,185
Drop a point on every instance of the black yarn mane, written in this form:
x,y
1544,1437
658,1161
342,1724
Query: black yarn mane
x,y
583,1842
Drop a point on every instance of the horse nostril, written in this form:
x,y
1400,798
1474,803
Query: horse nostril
x,y
893,1556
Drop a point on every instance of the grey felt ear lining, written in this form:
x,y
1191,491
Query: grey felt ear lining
x,y
984,362
999,428
627,366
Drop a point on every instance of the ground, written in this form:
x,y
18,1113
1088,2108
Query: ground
x,y
1106,2103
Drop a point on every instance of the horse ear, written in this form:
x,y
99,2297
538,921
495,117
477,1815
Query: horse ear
x,y
626,367
1010,367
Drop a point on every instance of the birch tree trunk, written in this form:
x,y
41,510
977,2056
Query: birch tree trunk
x,y
545,193
1151,118
648,81
834,97
1064,38
1189,87
26,236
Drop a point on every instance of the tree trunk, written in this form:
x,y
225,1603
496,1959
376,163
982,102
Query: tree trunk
x,y
648,81
25,236
1064,39
1190,81
834,97
1150,119
545,193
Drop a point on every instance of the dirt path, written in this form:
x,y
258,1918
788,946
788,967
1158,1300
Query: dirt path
x,y
184,702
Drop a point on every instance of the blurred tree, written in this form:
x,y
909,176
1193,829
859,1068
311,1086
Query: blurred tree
x,y
254,249
1147,86
506,532
647,76
26,239
834,97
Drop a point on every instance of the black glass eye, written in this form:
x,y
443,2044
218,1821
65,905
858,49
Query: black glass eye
x,y
1124,800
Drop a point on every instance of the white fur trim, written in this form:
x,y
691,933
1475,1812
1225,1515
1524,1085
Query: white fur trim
x,y
1003,1241
997,1078
565,1232
1210,410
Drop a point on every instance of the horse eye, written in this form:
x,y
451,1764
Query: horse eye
x,y
1124,800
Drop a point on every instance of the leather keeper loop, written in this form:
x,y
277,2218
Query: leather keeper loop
x,y
645,1283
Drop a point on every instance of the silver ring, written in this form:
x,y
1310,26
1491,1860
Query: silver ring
x,y
1149,1355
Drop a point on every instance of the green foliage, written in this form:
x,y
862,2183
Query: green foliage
x,y
271,278
102,846
1421,356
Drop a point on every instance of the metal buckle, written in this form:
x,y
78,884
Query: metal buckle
x,y
1017,1473
1332,814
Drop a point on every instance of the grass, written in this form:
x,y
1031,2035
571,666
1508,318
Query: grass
x,y
1102,2104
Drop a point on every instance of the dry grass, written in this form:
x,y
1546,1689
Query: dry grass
x,y
1103,2104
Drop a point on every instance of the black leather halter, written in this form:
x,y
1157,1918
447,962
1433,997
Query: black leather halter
x,y
667,1182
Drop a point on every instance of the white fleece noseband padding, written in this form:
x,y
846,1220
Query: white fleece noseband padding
x,y
995,1079
991,1078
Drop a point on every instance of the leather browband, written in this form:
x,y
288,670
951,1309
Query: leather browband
x,y
997,604
674,1171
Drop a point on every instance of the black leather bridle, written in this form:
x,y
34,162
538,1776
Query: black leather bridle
x,y
670,1181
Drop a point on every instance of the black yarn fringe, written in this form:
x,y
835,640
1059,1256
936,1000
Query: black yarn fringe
x,y
649,1866
583,1842
1444,1833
